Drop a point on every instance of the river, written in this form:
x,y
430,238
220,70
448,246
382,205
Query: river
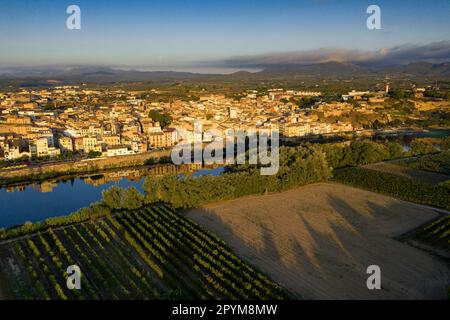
x,y
57,197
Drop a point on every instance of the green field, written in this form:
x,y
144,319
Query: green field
x,y
439,163
436,233
395,186
427,177
150,253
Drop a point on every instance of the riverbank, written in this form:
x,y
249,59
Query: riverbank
x,y
70,168
52,170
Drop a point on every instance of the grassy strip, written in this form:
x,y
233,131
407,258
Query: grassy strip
x,y
436,233
439,163
395,186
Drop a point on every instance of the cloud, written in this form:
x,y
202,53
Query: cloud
x,y
436,52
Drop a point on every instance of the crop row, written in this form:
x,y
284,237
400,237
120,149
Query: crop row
x,y
188,258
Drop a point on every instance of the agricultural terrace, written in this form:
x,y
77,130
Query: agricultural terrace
x,y
150,253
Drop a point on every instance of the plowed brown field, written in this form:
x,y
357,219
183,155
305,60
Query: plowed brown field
x,y
318,240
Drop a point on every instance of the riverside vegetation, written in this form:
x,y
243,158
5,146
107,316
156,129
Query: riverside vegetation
x,y
161,254
299,165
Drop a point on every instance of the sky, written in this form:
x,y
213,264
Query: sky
x,y
191,32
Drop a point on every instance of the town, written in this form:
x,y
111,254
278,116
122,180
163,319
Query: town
x,y
75,121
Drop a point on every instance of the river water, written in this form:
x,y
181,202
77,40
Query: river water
x,y
58,197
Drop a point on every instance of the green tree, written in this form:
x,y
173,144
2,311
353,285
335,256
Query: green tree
x,y
445,144
112,197
151,189
334,154
395,150
94,154
132,198
164,119
419,147
400,94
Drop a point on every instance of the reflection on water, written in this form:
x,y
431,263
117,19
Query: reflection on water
x,y
38,201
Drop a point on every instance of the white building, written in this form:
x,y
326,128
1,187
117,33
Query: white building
x,y
118,151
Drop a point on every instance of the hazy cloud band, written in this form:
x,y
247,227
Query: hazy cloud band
x,y
436,52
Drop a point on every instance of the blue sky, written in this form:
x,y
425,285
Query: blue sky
x,y
172,32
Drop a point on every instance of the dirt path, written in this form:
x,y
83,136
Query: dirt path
x,y
318,240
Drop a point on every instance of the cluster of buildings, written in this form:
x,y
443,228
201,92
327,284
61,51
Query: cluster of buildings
x,y
113,122
48,123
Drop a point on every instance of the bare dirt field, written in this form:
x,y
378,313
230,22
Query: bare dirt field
x,y
318,240
420,175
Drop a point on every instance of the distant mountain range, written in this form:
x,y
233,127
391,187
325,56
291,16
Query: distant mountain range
x,y
320,70
91,73
347,69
